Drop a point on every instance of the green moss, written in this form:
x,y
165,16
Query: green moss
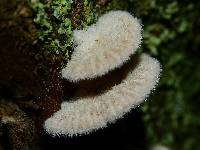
x,y
89,15
54,23
54,26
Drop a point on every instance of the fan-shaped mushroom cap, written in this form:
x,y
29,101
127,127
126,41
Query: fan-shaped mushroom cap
x,y
91,113
104,46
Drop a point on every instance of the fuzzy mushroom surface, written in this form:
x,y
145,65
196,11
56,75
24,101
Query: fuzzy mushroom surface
x,y
91,113
103,46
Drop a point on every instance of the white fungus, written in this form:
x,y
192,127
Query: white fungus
x,y
104,46
91,113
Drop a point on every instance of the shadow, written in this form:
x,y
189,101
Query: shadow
x,y
126,133
102,84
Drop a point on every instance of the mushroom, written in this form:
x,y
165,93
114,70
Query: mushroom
x,y
87,114
104,46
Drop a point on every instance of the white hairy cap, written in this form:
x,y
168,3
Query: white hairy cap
x,y
104,46
91,113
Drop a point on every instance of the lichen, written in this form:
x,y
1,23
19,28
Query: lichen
x,y
55,23
89,14
54,26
